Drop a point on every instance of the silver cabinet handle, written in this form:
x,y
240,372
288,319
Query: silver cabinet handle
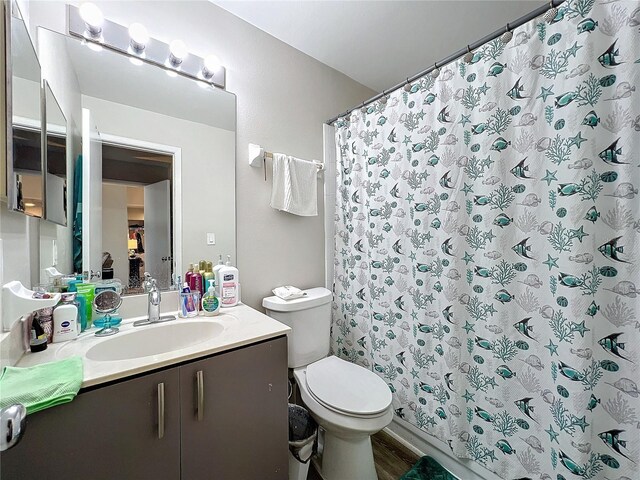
x,y
200,395
160,410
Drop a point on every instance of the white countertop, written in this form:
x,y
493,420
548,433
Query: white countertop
x,y
242,325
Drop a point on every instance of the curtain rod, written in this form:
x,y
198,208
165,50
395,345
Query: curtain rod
x,y
511,26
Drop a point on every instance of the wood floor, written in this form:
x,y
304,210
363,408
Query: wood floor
x,y
392,458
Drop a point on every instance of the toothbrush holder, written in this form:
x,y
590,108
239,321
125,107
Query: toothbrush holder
x,y
189,304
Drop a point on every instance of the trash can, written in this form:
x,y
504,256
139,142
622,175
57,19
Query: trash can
x,y
303,431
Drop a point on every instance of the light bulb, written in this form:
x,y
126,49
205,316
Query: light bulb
x,y
139,37
211,66
177,53
93,18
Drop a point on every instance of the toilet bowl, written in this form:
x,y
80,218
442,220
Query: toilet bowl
x,y
348,401
356,406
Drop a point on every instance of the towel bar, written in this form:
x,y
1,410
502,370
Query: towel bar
x,y
257,156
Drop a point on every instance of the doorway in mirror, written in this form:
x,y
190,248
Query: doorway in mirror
x,y
137,233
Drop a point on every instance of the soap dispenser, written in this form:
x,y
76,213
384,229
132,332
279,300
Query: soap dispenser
x,y
210,302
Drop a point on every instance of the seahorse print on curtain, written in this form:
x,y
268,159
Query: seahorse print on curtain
x,y
487,248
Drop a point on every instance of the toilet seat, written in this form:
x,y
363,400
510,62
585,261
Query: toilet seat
x,y
347,388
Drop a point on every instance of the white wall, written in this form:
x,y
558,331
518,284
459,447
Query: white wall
x,y
115,228
284,96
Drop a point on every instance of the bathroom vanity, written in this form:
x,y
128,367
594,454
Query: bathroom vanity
x,y
213,409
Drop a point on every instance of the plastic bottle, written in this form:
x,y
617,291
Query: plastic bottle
x,y
195,281
207,276
202,268
216,269
189,274
210,302
65,322
38,337
228,278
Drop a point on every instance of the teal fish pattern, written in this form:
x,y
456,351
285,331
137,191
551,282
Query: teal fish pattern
x,y
487,248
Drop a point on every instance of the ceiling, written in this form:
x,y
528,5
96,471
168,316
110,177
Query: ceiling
x,y
379,43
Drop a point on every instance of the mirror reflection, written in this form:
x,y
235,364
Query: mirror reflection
x,y
56,160
158,151
24,173
136,199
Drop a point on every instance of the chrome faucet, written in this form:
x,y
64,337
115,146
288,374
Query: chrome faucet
x,y
154,302
153,307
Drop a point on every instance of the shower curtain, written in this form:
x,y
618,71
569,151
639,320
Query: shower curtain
x,y
487,244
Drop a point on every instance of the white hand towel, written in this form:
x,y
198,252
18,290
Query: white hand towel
x,y
288,292
295,185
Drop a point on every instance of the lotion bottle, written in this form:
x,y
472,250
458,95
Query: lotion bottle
x,y
65,318
228,278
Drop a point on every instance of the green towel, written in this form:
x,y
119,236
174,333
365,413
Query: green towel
x,y
42,386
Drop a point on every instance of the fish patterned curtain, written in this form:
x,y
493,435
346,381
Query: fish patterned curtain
x,y
487,248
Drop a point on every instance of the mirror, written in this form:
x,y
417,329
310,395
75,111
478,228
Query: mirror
x,y
55,160
25,185
158,152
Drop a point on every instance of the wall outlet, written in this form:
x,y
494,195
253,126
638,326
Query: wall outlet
x,y
211,238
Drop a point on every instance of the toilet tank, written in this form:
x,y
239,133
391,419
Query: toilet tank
x,y
309,318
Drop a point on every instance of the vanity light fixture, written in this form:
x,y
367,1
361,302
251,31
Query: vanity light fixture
x,y
93,20
139,38
88,24
177,53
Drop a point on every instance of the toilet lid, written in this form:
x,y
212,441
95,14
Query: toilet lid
x,y
347,387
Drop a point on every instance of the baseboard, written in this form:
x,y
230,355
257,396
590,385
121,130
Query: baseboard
x,y
403,441
422,444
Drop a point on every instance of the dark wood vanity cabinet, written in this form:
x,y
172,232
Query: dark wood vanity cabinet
x,y
106,433
225,417
247,418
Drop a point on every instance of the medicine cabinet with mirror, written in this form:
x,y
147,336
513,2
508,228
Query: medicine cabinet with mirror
x,y
24,117
158,155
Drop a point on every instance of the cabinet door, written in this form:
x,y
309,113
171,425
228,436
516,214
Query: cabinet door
x,y
107,433
235,417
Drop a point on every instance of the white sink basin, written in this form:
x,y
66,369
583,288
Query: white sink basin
x,y
153,340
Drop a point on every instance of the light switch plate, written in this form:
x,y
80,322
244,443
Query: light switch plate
x,y
211,238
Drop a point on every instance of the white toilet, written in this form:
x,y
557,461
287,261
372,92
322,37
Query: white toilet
x,y
348,401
